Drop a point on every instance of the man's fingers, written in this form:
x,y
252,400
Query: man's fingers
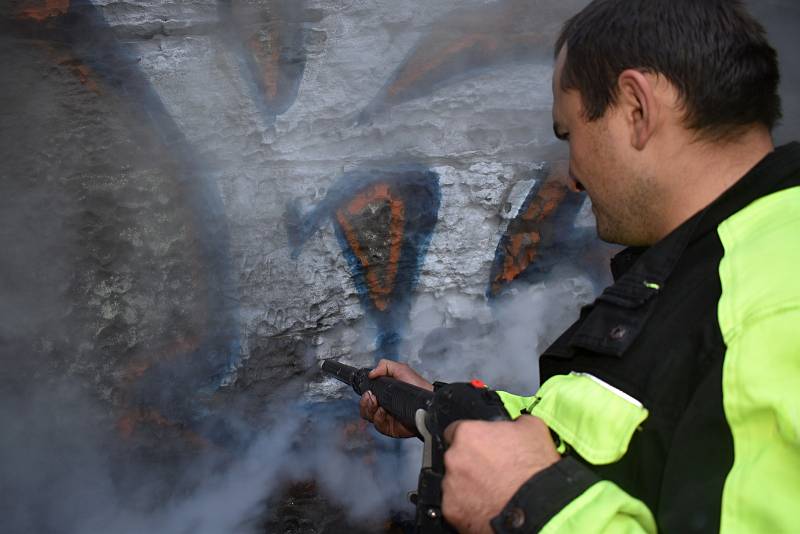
x,y
401,372
450,432
449,508
381,419
382,422
384,368
368,405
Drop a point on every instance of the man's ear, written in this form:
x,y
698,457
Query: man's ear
x,y
637,101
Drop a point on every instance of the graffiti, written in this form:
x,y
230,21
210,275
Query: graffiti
x,y
543,235
41,10
270,43
44,21
378,270
383,218
467,42
166,386
384,221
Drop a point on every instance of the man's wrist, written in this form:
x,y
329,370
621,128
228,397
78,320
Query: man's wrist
x,y
540,498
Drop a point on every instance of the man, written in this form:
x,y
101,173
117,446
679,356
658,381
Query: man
x,y
672,404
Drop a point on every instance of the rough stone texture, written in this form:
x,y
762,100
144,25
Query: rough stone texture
x,y
143,209
484,136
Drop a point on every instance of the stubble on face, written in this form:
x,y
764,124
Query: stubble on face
x,y
621,194
602,162
624,222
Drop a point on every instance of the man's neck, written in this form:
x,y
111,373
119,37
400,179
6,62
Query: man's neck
x,y
697,173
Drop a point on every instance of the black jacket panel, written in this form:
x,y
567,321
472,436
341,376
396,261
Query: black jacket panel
x,y
654,334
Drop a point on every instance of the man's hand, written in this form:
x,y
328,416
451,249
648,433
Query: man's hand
x,y
486,464
385,423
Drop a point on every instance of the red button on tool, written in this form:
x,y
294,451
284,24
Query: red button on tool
x,y
478,384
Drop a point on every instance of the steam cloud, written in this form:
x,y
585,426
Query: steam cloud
x,y
62,466
61,472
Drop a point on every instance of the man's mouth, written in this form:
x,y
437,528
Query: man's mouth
x,y
576,184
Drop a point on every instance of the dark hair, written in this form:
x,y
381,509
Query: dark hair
x,y
713,51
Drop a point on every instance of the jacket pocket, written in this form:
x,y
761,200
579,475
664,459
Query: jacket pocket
x,y
617,318
594,418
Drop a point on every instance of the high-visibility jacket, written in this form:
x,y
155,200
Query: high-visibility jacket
x,y
675,397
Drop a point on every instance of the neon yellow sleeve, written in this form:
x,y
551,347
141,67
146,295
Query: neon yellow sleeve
x,y
759,317
604,507
761,396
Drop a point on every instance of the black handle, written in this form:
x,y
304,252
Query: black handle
x,y
450,403
400,399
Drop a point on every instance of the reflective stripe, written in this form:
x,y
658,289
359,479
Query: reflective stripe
x,y
759,317
612,389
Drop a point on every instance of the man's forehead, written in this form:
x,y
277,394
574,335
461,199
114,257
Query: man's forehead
x,y
556,87
559,68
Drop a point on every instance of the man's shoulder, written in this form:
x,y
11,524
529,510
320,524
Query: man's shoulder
x,y
759,270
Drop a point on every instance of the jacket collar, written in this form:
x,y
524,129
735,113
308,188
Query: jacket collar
x,y
613,322
778,170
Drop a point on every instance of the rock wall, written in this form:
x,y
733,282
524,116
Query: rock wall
x,y
242,186
199,199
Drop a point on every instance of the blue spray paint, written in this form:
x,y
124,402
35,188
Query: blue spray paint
x,y
385,285
175,387
270,51
543,235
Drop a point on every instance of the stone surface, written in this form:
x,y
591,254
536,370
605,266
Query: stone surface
x,y
155,154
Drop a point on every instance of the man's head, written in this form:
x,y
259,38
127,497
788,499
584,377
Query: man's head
x,y
638,80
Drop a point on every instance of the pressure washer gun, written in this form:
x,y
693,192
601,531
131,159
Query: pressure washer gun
x,y
429,413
